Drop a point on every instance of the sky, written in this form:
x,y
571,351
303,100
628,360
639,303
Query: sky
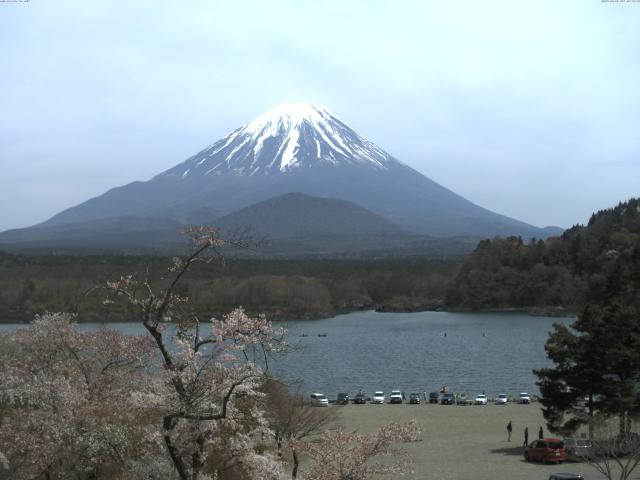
x,y
530,108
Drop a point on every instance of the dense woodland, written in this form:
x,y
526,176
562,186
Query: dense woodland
x,y
567,271
546,277
284,289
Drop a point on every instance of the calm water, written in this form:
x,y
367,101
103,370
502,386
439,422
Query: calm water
x,y
371,351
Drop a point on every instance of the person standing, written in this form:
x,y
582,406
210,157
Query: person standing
x,y
540,434
526,436
509,430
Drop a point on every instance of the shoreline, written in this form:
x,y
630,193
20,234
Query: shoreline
x,y
547,312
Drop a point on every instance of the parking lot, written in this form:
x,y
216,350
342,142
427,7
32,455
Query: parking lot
x,y
465,442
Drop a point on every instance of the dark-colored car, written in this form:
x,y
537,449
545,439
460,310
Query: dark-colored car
x,y
434,397
343,399
546,450
414,398
447,399
360,398
566,476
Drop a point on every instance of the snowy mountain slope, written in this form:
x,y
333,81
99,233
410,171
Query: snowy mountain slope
x,y
300,148
291,136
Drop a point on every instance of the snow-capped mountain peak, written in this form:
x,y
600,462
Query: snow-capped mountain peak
x,y
290,136
291,115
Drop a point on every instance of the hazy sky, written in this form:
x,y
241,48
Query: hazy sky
x,y
531,109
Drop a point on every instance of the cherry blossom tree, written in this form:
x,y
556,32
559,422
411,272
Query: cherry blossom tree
x,y
208,387
185,401
66,402
352,456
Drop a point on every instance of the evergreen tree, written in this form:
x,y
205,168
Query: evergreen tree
x,y
597,359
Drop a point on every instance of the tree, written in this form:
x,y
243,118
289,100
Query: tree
x,y
612,454
66,403
209,384
597,365
352,456
292,418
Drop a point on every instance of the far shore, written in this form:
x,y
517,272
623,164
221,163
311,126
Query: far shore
x,y
551,312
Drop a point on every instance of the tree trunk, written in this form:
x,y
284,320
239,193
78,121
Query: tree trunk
x,y
169,424
622,425
591,417
296,464
198,459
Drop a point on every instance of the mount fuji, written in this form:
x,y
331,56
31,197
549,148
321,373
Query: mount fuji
x,y
293,148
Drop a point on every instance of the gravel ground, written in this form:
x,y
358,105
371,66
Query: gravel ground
x,y
465,442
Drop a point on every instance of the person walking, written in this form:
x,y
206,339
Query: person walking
x,y
509,430
540,434
526,436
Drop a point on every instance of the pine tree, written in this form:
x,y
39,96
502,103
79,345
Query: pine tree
x,y
597,358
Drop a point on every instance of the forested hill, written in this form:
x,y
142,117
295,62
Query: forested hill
x,y
564,271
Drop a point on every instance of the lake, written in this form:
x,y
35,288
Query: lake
x,y
468,352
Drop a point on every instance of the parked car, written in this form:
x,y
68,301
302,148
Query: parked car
x,y
414,398
481,399
378,397
395,397
360,398
502,399
343,399
447,399
319,400
546,450
462,399
566,476
578,448
524,397
434,397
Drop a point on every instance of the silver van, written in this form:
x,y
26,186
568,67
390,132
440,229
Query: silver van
x,y
319,400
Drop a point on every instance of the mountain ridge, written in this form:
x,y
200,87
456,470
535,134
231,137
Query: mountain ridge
x,y
295,215
306,149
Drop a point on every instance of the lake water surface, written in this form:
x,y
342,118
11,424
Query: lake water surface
x,y
468,352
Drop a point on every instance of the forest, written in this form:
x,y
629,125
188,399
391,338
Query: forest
x,y
281,289
551,277
548,276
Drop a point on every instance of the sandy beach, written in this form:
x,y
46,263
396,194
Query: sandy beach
x,y
465,442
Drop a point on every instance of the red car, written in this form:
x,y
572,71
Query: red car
x,y
547,450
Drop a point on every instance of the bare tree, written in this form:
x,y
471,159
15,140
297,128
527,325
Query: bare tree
x,y
615,455
293,418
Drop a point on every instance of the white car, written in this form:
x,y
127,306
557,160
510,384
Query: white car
x,y
502,399
481,399
378,397
395,397
319,400
524,398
